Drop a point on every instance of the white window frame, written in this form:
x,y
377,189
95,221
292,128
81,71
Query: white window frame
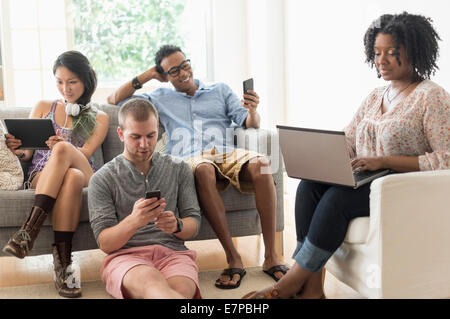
x,y
9,71
6,53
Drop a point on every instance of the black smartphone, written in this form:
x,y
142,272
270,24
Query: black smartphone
x,y
152,194
248,85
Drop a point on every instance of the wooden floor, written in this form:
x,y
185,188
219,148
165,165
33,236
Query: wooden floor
x,y
210,256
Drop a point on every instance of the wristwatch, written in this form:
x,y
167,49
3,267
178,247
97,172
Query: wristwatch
x,y
135,83
179,225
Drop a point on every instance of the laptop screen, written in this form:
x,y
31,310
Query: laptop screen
x,y
317,155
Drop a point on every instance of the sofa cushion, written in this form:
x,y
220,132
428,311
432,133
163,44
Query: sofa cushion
x,y
16,112
15,207
233,200
97,158
20,203
112,145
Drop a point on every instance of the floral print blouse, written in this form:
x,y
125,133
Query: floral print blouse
x,y
417,126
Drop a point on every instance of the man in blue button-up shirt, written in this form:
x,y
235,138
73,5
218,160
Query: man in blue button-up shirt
x,y
198,119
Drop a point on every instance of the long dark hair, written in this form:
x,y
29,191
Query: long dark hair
x,y
77,63
84,124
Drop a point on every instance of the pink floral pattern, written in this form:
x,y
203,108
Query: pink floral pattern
x,y
417,126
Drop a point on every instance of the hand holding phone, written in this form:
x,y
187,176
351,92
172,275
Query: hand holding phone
x,y
251,98
153,194
146,211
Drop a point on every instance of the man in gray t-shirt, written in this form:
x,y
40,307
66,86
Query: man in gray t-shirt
x,y
144,238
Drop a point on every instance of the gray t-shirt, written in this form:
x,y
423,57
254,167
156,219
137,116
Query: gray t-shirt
x,y
115,187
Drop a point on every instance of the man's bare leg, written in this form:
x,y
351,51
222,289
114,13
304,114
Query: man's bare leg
x,y
266,204
213,207
145,282
183,285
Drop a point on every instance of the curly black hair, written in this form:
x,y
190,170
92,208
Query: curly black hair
x,y
164,52
415,33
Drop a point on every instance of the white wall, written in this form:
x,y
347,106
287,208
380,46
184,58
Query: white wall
x,y
266,50
327,78
249,42
229,42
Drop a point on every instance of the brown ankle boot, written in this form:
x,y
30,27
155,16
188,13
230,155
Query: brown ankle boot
x,y
22,241
65,282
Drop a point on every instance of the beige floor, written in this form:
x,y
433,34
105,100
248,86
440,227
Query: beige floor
x,y
37,270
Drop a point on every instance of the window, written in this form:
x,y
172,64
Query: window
x,y
34,34
119,37
125,42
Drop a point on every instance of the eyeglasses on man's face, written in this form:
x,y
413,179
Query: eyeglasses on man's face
x,y
175,70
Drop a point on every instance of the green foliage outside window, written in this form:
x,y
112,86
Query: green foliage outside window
x,y
120,37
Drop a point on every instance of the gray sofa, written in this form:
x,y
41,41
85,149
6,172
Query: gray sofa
x,y
242,216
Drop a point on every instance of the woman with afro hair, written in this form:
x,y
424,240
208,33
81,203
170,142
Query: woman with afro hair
x,y
403,126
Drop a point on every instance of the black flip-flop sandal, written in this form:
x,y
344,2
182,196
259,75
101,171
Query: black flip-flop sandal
x,y
271,271
231,272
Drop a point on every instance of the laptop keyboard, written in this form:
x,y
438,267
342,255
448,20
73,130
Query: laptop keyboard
x,y
365,174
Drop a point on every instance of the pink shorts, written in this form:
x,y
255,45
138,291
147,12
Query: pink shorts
x,y
169,262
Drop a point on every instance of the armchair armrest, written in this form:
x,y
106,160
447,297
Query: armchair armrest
x,y
262,141
410,221
266,142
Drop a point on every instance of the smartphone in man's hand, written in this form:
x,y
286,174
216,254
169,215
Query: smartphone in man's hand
x,y
248,85
153,194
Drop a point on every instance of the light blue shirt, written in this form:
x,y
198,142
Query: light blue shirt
x,y
199,122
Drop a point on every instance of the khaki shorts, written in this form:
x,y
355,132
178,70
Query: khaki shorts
x,y
228,166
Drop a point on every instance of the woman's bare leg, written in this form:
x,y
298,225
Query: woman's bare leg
x,y
63,177
64,156
65,174
67,209
288,286
313,287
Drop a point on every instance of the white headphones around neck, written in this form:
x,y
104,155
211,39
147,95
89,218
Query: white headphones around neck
x,y
74,109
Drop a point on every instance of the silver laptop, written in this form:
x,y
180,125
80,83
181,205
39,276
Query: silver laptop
x,y
321,156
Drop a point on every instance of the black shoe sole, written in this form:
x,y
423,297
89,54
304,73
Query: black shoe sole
x,y
62,294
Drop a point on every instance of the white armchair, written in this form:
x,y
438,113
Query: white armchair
x,y
403,249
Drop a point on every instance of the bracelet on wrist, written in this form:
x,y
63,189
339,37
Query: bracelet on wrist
x,y
21,155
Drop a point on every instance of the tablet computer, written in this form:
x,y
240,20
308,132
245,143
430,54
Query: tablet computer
x,y
32,132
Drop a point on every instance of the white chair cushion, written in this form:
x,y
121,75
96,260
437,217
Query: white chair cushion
x,y
357,230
